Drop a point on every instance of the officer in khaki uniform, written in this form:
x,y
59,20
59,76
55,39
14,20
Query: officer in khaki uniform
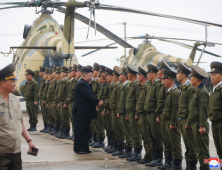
x,y
131,102
183,113
141,116
197,119
122,113
169,118
215,107
31,98
11,122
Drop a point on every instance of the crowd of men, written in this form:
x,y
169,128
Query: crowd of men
x,y
140,109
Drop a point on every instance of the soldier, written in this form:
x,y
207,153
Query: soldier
x,y
31,98
113,105
95,88
40,95
131,102
122,113
71,96
141,116
69,73
197,119
79,72
183,113
62,96
150,107
169,118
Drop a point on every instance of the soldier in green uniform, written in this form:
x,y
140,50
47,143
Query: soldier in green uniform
x,y
183,113
169,119
95,88
150,106
31,98
63,107
71,97
122,113
197,119
131,102
141,116
69,75
215,107
79,72
113,105
40,95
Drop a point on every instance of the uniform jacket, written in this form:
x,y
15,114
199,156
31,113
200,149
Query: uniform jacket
x,y
141,99
161,99
51,91
123,98
114,96
47,83
57,92
95,86
41,88
31,90
71,94
64,90
107,100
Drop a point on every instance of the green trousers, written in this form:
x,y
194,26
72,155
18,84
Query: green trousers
x,y
145,133
134,125
117,126
174,139
10,161
65,123
42,109
70,106
107,124
32,111
202,142
100,125
163,130
154,131
57,116
46,111
51,114
189,142
93,126
217,135
127,131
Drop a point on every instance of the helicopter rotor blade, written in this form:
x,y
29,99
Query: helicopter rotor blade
x,y
19,6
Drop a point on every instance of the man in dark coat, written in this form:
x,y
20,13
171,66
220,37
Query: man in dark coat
x,y
83,111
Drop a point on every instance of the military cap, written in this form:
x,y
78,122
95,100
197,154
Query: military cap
x,y
79,67
168,74
116,71
8,72
164,64
96,66
70,69
89,66
64,69
50,71
124,71
198,72
152,68
74,68
108,71
29,72
86,69
41,69
142,71
216,67
102,68
58,70
183,69
46,70
54,68
132,69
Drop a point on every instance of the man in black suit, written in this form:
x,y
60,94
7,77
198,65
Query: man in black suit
x,y
84,109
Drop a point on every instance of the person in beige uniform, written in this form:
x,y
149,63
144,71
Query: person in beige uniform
x,y
11,122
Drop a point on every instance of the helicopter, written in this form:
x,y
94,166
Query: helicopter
x,y
47,43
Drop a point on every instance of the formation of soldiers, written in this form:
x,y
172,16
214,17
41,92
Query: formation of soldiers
x,y
140,109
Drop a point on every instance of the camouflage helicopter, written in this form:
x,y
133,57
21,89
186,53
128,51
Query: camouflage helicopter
x,y
47,43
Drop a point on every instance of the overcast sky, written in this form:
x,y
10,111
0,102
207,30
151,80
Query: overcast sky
x,y
13,21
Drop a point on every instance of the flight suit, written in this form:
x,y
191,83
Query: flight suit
x,y
198,117
215,116
142,121
62,97
169,117
57,111
116,122
46,110
183,113
11,120
40,96
31,96
131,102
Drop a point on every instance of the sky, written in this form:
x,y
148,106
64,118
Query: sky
x,y
13,21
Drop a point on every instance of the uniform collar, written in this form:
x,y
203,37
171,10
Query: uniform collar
x,y
185,85
155,81
125,83
200,87
118,83
65,79
135,81
171,88
220,83
112,82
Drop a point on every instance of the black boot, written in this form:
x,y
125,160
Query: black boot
x,y
60,132
30,127
100,144
177,165
33,127
159,158
65,133
153,158
93,139
188,164
128,153
166,159
169,162
48,128
52,131
45,126
144,161
120,149
95,142
114,148
106,147
136,156
56,130
193,165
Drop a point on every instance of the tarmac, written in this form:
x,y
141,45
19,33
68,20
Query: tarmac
x,y
58,154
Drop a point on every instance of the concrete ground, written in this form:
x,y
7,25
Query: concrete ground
x,y
57,154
